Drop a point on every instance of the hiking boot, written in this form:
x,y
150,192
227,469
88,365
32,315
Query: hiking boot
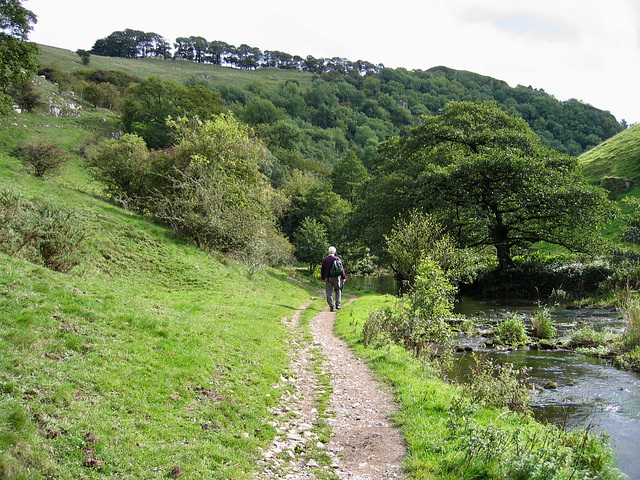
x,y
338,307
331,309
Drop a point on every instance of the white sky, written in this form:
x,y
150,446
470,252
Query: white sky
x,y
584,49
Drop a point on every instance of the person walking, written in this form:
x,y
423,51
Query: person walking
x,y
333,275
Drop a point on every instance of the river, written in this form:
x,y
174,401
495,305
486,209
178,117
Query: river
x,y
574,390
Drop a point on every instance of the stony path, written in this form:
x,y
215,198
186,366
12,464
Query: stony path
x,y
364,445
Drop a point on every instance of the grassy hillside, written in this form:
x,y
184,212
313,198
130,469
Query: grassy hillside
x,y
175,71
616,158
149,354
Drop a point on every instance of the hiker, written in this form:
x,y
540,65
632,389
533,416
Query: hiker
x,y
333,276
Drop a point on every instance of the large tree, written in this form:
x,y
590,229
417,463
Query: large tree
x,y
487,177
151,102
18,57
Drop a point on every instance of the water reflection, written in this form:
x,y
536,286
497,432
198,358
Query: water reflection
x,y
383,284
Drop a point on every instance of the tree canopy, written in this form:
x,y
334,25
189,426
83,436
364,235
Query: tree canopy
x,y
369,103
18,57
486,176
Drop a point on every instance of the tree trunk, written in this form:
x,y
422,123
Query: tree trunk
x,y
503,251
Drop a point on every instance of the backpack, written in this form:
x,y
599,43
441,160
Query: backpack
x,y
336,268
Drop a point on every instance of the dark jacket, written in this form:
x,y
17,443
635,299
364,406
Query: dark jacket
x,y
326,267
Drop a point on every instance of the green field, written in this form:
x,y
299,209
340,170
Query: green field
x,y
173,70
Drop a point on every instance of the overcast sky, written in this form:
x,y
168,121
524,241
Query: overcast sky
x,y
584,49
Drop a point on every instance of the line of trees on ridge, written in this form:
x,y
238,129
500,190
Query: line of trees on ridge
x,y
130,43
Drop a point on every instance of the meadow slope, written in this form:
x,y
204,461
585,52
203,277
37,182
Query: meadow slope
x,y
149,355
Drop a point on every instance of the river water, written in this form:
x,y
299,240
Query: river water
x,y
587,392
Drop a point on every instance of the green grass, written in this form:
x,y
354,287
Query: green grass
x,y
149,354
173,70
618,157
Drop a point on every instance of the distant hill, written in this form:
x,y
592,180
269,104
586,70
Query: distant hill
x,y
310,118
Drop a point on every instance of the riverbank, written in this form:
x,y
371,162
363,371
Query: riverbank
x,y
450,437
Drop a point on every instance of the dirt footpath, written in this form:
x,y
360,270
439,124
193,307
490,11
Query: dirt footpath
x,y
364,445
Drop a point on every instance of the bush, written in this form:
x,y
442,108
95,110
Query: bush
x,y
41,232
631,310
57,236
41,159
378,328
530,453
538,277
419,234
419,321
588,338
498,385
542,323
124,167
13,211
511,331
215,193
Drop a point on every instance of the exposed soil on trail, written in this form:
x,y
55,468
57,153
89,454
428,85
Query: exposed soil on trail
x,y
364,445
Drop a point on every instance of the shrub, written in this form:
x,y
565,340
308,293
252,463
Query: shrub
x,y
215,194
542,324
41,159
631,310
123,166
511,331
41,232
419,234
586,337
379,327
540,453
499,385
56,235
13,211
268,248
538,276
419,321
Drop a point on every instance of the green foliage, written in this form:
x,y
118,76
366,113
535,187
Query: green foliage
x,y
511,331
153,101
542,324
499,385
314,198
42,232
419,321
123,166
631,309
310,241
208,189
588,337
559,278
631,229
217,197
348,176
420,234
18,58
42,159
486,177
500,451
57,236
